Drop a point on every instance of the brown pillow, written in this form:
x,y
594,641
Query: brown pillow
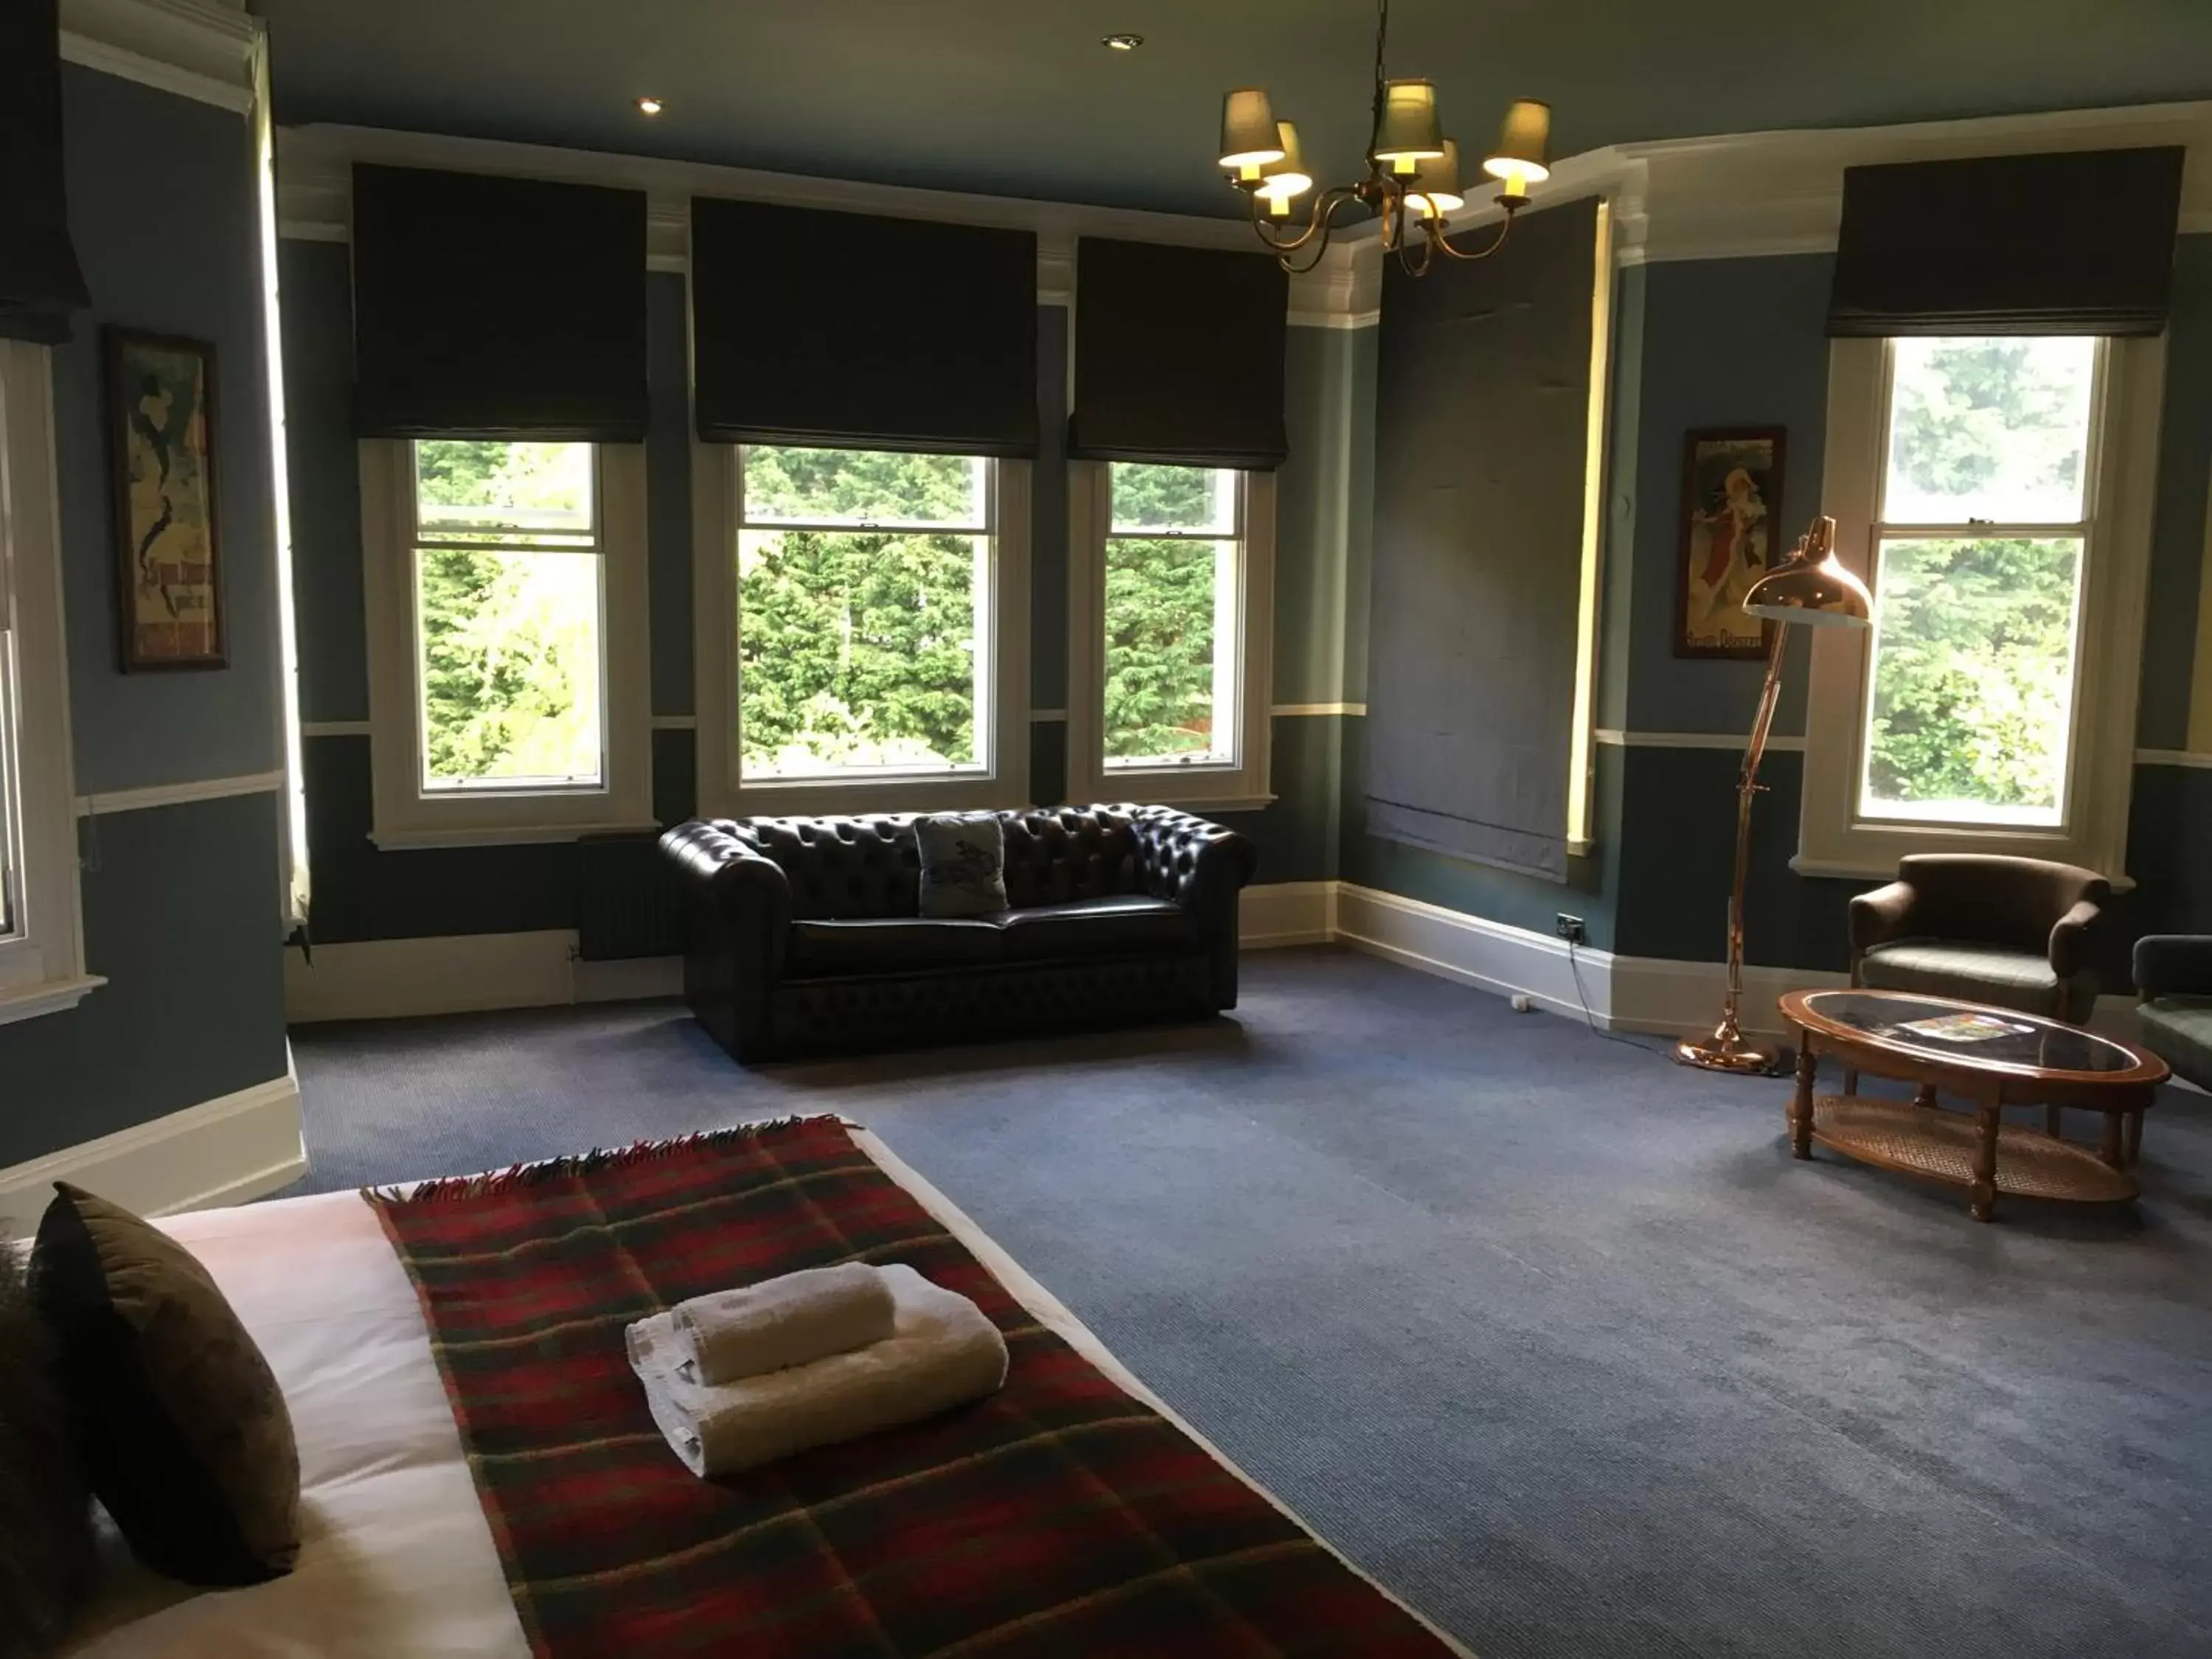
x,y
47,1549
180,1426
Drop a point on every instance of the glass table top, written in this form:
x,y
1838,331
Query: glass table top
x,y
1967,1033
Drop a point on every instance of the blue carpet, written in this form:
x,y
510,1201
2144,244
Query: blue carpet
x,y
1551,1335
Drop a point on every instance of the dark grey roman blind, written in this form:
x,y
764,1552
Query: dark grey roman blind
x,y
497,308
853,332
1481,442
1178,355
39,281
2075,243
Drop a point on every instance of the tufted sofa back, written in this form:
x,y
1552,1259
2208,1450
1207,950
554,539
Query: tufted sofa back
x,y
842,869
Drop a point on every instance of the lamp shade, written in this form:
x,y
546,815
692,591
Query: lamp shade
x,y
1281,180
1433,191
1249,138
1523,154
1409,132
1811,586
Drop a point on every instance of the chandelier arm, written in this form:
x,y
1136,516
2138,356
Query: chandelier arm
x,y
1320,224
1437,239
1407,263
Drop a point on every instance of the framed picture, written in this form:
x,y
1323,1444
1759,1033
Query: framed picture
x,y
161,447
1731,517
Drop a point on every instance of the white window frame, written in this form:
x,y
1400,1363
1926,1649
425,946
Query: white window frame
x,y
42,960
406,815
717,510
1219,787
1834,838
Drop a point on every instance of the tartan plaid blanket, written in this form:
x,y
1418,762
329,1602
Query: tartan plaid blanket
x,y
1058,1517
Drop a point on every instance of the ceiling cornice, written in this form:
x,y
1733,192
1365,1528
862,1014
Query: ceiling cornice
x,y
191,48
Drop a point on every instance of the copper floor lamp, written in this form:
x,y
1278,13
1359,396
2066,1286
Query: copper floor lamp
x,y
1811,586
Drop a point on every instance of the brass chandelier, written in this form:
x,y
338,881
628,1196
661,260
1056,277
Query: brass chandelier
x,y
1413,170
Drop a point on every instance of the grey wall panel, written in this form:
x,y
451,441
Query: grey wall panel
x,y
1590,890
675,776
1049,761
180,917
2184,467
324,465
1311,516
1726,342
1048,517
362,893
174,249
668,492
1359,501
1296,833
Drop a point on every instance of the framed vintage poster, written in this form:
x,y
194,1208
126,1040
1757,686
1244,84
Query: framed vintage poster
x,y
162,444
1731,509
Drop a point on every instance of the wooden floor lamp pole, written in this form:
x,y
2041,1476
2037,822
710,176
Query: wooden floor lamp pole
x,y
1725,1049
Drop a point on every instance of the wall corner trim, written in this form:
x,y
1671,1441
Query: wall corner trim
x,y
189,48
224,1150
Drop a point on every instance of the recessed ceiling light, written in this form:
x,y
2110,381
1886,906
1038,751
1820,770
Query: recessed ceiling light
x,y
648,105
1121,42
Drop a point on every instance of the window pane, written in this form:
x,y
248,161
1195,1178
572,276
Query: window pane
x,y
860,650
1973,680
1148,497
1996,429
510,668
1168,674
851,486
473,491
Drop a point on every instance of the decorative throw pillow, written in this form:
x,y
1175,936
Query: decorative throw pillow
x,y
180,1425
963,863
47,1549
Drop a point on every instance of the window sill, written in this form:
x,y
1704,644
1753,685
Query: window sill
x,y
1190,803
404,841
46,997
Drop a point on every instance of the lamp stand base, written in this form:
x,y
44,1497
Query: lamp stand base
x,y
1725,1049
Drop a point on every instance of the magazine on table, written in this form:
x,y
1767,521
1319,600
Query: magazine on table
x,y
1961,1028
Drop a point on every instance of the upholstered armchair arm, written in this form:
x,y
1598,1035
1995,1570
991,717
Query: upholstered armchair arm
x,y
2069,938
2175,965
1198,864
744,892
1882,915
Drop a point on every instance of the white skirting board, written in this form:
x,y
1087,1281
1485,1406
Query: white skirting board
x,y
220,1152
391,978
463,972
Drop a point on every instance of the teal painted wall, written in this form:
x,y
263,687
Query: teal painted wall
x,y
180,902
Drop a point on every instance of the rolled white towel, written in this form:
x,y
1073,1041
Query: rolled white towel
x,y
942,1352
782,1322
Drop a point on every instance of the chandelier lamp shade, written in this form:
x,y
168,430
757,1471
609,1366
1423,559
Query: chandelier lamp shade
x,y
1413,178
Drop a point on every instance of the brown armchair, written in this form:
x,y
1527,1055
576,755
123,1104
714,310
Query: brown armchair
x,y
2008,930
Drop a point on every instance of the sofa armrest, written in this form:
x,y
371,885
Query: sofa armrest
x,y
1884,915
2175,965
1200,866
2069,938
746,892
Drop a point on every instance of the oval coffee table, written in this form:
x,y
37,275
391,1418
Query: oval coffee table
x,y
1996,1058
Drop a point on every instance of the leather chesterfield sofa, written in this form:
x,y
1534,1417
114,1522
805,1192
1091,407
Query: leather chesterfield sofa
x,y
804,935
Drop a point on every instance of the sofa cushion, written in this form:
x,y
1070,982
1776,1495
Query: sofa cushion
x,y
891,944
1129,922
2178,1030
1975,973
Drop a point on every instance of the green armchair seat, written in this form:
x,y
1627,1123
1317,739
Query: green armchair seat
x,y
2173,977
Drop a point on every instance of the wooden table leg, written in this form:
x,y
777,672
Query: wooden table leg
x,y
2134,1150
2111,1148
2054,1121
1985,1156
1850,1080
1801,1102
1926,1097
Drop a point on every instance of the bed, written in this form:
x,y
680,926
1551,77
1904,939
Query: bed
x,y
400,1558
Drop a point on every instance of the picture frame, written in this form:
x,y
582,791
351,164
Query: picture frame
x,y
162,438
1732,480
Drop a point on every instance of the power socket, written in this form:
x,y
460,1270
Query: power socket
x,y
1569,928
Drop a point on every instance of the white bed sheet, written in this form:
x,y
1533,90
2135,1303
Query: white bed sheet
x,y
397,1558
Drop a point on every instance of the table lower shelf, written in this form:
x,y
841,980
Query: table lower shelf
x,y
1940,1146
